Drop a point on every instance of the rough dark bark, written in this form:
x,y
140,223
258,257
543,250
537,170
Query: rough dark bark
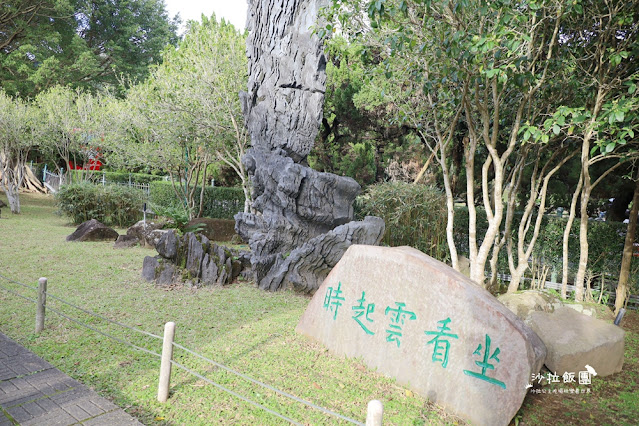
x,y
304,218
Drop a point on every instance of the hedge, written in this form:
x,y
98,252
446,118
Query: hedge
x,y
112,205
219,202
605,241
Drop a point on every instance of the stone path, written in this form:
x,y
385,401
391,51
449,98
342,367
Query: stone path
x,y
33,392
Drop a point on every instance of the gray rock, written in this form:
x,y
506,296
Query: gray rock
x,y
167,245
149,266
93,230
209,270
160,270
154,237
191,259
297,233
524,303
167,273
197,246
126,241
413,318
306,267
143,230
575,340
287,75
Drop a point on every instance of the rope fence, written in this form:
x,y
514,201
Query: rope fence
x,y
374,410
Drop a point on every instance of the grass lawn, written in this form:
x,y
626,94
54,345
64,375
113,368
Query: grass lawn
x,y
239,326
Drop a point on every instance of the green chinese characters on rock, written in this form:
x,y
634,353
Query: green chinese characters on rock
x,y
333,299
485,364
364,311
440,342
398,317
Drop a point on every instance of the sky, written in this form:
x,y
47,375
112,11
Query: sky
x,y
231,10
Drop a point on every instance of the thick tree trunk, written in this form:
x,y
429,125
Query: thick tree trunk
x,y
622,286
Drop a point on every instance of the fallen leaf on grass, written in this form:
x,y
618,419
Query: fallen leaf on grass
x,y
316,386
409,393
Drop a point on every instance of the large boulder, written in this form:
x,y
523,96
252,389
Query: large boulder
x,y
419,321
300,211
575,340
93,230
524,303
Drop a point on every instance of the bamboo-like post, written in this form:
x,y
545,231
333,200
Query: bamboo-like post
x,y
42,304
165,365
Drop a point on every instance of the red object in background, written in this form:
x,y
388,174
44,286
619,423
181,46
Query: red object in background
x,y
94,155
635,250
93,165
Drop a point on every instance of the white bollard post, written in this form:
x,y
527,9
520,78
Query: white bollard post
x,y
42,304
375,413
165,365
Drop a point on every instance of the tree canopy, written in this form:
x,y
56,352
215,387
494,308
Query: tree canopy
x,y
516,88
90,44
187,114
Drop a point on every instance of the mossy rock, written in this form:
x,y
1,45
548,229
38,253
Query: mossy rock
x,y
215,229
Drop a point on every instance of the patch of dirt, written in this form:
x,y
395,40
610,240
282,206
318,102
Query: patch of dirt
x,y
607,402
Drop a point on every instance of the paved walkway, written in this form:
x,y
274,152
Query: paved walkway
x,y
33,392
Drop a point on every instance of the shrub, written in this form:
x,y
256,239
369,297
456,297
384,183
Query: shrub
x,y
112,205
415,215
219,202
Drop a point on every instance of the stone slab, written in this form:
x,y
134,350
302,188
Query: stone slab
x,y
575,340
37,393
414,318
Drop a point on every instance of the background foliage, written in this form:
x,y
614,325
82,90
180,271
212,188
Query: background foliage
x,y
219,202
415,215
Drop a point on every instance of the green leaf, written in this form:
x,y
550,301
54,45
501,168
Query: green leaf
x,y
619,115
610,147
556,129
561,120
